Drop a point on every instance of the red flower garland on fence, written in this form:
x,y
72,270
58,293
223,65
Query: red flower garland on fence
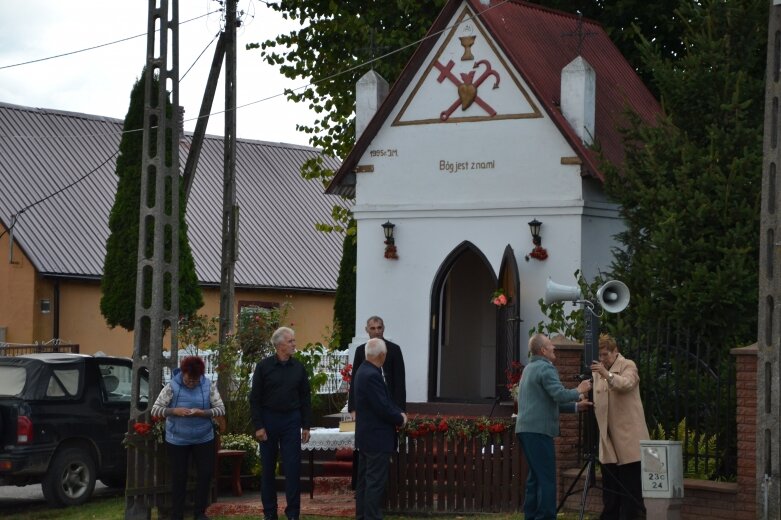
x,y
483,428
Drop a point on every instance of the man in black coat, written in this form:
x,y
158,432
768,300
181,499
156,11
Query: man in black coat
x,y
375,431
392,370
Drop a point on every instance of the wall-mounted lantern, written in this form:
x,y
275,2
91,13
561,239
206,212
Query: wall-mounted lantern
x,y
390,244
539,252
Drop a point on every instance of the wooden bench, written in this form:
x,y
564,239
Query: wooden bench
x,y
235,458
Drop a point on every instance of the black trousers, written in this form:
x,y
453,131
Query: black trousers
x,y
179,462
622,492
284,437
370,489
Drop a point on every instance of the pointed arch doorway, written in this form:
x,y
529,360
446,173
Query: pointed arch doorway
x,y
470,346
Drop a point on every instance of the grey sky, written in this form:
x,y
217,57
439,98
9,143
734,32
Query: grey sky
x,y
99,81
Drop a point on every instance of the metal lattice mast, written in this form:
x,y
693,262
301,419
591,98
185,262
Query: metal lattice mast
x,y
157,286
769,329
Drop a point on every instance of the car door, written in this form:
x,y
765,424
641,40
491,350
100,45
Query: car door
x,y
115,378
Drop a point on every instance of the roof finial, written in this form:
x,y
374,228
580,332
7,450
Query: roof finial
x,y
579,32
373,47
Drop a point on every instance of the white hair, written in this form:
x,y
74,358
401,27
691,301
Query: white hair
x,y
280,333
375,347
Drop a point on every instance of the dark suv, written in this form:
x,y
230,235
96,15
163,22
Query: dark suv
x,y
62,421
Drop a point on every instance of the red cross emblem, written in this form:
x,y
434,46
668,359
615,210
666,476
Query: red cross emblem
x,y
467,87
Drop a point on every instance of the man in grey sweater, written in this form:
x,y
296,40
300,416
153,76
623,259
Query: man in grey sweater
x,y
541,397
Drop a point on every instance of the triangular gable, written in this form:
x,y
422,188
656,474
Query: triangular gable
x,y
470,73
534,40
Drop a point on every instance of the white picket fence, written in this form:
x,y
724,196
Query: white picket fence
x,y
331,363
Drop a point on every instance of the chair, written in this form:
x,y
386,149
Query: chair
x,y
111,383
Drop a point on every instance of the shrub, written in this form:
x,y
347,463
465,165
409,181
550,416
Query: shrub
x,y
698,449
241,441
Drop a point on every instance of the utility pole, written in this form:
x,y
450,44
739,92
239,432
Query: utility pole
x,y
768,442
230,211
203,117
158,266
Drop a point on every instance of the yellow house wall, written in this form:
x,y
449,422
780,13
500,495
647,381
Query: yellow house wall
x,y
17,294
82,323
43,322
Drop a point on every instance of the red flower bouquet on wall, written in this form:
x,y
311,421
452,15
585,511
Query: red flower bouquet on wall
x,y
538,253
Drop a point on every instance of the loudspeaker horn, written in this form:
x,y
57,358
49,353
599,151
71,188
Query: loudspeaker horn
x,y
613,296
556,292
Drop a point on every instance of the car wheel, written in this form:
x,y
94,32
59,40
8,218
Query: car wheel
x,y
70,479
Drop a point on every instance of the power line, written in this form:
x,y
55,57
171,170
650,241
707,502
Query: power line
x,y
283,93
15,216
360,65
94,46
331,76
199,56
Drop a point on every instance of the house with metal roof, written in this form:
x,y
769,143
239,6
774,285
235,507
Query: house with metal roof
x,y
490,132
57,186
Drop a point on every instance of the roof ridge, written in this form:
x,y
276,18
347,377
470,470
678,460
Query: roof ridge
x,y
66,113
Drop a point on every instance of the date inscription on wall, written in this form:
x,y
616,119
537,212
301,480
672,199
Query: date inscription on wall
x,y
465,166
385,152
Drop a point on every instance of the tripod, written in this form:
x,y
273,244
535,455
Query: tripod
x,y
590,444
589,433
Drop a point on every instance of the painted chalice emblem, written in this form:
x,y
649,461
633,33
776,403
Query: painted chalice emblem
x,y
467,42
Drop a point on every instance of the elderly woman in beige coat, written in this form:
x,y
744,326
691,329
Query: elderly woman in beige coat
x,y
619,413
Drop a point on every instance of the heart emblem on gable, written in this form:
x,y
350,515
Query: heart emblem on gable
x,y
467,95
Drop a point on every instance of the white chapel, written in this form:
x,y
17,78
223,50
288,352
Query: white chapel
x,y
493,124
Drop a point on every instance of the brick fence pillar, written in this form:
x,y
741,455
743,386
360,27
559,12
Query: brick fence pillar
x,y
746,419
569,355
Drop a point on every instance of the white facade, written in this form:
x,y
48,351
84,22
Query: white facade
x,y
475,175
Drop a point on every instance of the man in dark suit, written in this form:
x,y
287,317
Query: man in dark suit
x,y
375,431
393,372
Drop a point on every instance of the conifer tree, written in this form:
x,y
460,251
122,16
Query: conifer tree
x,y
690,187
118,286
344,302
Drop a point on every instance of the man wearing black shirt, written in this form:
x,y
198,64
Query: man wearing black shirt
x,y
281,405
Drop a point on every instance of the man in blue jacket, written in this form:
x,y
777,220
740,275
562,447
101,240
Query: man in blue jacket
x,y
375,431
540,398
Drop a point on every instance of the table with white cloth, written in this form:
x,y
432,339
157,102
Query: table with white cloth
x,y
325,439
